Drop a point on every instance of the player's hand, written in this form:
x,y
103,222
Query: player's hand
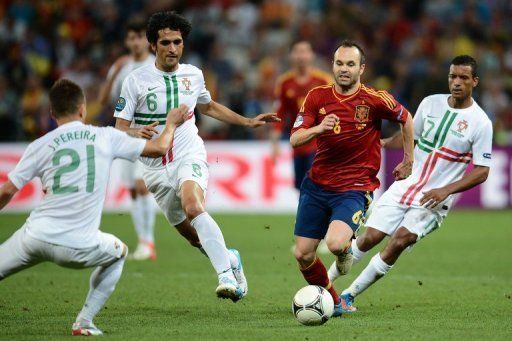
x,y
402,170
178,115
147,132
328,123
434,197
262,119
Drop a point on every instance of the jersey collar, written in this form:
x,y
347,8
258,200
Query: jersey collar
x,y
70,124
165,73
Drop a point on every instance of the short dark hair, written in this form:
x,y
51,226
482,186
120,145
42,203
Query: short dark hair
x,y
137,25
468,61
65,98
352,43
162,20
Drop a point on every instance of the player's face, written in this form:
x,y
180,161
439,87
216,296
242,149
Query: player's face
x,y
461,81
347,67
136,42
168,49
302,54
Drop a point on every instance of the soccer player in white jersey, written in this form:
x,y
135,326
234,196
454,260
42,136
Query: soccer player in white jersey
x,y
73,163
142,209
451,130
179,179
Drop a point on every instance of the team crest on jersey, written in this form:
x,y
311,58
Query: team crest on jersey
x,y
186,84
362,116
462,125
121,103
322,111
290,93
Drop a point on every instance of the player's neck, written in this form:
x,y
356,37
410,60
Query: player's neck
x,y
461,103
347,91
165,68
67,119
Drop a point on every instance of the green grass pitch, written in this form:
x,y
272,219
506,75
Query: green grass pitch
x,y
456,284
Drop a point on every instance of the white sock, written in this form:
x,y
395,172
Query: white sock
x,y
148,212
356,253
137,211
102,283
373,272
213,243
233,260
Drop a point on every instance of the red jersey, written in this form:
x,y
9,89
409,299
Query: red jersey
x,y
348,158
291,95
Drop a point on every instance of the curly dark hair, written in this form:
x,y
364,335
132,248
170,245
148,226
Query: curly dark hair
x,y
162,20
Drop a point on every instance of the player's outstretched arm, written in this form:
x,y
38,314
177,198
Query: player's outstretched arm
x,y
435,196
7,191
404,168
304,135
159,146
224,114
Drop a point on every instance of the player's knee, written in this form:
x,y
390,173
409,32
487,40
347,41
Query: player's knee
x,y
402,242
140,188
133,193
335,245
193,209
304,257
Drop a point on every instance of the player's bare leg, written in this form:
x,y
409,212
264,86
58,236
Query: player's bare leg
x,y
211,239
313,269
144,220
338,239
380,264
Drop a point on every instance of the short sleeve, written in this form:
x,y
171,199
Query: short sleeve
x,y
125,146
127,101
306,117
25,170
418,120
482,145
204,95
390,109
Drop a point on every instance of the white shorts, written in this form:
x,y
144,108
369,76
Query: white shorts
x,y
130,172
22,250
165,184
386,215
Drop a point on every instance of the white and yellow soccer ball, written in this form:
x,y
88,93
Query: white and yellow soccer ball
x,y
312,305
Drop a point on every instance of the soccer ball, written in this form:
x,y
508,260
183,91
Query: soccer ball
x,y
312,305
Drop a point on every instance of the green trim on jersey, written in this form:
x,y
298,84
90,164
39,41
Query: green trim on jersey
x,y
171,90
440,135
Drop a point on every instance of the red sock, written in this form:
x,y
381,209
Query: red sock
x,y
316,274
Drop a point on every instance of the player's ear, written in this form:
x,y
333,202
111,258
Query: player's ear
x,y
153,47
82,111
476,79
361,69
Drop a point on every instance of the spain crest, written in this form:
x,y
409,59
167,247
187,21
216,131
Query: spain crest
x,y
362,113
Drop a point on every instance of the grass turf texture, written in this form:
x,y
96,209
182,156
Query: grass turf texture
x,y
455,284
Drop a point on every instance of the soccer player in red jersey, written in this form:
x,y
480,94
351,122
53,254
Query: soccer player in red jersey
x,y
291,89
345,118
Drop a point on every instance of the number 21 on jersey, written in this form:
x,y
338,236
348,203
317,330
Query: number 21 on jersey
x,y
59,160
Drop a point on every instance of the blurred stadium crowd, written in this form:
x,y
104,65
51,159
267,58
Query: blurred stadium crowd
x,y
242,47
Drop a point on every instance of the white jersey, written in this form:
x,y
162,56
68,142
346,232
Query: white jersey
x,y
447,140
148,94
126,69
73,163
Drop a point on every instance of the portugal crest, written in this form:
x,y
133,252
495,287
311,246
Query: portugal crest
x,y
462,125
186,84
